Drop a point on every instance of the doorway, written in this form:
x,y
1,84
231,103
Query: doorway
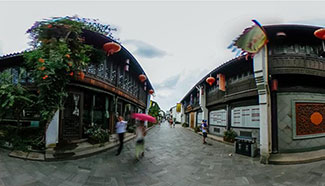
x,y
192,119
71,117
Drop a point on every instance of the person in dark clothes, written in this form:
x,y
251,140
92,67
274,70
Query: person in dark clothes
x,y
120,130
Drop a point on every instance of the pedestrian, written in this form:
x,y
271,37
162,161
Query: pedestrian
x,y
170,123
120,130
139,140
174,123
204,127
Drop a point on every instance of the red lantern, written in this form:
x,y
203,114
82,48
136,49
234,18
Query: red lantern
x,y
111,48
151,91
210,80
320,33
142,77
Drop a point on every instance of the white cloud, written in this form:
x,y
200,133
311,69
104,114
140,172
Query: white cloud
x,y
195,35
145,50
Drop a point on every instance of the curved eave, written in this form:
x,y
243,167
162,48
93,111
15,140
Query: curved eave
x,y
224,68
98,40
92,38
303,33
10,60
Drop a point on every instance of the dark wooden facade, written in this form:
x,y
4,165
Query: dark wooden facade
x,y
108,89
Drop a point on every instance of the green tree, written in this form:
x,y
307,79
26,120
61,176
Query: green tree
x,y
154,110
14,97
59,55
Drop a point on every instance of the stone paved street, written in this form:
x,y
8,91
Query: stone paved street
x,y
174,156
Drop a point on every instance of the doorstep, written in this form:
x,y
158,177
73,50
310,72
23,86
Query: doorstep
x,y
297,158
83,149
37,156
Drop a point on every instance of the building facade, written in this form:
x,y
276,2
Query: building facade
x,y
176,116
110,88
277,97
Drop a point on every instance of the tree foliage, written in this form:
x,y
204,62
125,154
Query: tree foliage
x,y
154,110
59,54
13,96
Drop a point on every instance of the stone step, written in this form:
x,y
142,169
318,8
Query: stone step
x,y
297,158
80,152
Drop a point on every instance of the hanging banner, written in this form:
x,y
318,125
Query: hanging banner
x,y
251,41
178,107
222,82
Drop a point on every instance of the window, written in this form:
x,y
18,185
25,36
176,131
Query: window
x,y
101,70
91,69
218,117
248,116
199,118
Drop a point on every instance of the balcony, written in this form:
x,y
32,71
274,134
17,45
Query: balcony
x,y
297,64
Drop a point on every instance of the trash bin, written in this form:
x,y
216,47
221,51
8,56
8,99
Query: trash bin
x,y
246,146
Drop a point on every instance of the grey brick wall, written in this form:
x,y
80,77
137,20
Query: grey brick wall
x,y
285,124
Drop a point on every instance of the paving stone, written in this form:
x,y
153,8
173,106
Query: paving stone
x,y
174,156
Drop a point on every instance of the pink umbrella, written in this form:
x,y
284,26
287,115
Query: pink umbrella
x,y
143,117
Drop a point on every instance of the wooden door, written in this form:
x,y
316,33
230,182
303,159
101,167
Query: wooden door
x,y
71,120
192,119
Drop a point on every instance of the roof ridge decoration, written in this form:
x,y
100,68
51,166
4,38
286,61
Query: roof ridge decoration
x,y
250,42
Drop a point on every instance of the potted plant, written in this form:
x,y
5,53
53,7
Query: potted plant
x,y
197,129
230,136
97,134
185,125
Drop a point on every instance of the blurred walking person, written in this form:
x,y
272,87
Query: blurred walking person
x,y
139,140
120,130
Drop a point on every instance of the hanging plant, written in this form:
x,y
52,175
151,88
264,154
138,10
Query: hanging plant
x,y
59,53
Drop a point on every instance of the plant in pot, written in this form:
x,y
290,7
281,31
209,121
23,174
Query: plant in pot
x,y
185,125
97,134
230,136
197,129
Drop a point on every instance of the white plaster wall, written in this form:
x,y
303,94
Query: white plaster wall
x,y
52,132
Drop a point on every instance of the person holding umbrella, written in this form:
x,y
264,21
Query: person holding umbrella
x,y
141,132
139,140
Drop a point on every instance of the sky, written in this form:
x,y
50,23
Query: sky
x,y
175,42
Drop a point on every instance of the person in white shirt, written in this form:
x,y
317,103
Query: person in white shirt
x,y
204,127
120,130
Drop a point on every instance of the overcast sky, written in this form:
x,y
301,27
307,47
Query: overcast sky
x,y
176,43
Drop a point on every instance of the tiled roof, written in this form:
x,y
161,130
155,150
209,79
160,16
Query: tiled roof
x,y
11,55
